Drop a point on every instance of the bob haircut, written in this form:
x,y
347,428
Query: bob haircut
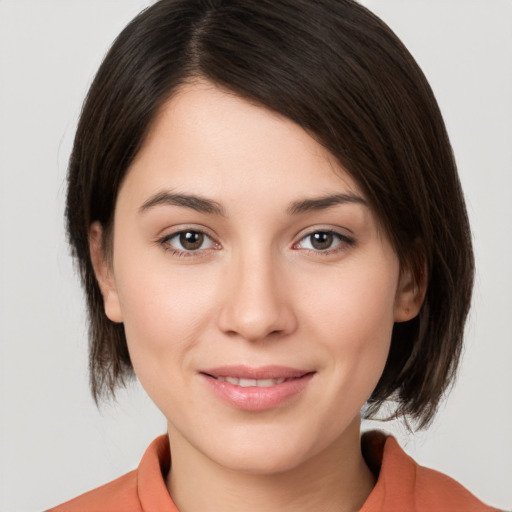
x,y
339,72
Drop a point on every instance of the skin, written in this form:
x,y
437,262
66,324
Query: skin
x,y
257,292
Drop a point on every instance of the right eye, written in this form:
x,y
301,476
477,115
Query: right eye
x,y
187,241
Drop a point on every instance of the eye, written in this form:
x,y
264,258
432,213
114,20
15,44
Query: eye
x,y
323,241
188,240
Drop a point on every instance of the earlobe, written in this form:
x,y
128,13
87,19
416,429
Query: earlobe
x,y
410,294
104,273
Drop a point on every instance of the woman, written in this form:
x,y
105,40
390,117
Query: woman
x,y
271,233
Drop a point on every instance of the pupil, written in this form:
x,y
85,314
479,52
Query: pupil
x,y
191,240
321,241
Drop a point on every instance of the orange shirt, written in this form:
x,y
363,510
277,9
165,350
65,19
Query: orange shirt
x,y
402,485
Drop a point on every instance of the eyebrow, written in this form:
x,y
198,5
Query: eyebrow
x,y
194,202
322,203
209,206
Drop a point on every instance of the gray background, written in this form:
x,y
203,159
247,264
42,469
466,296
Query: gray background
x,y
54,443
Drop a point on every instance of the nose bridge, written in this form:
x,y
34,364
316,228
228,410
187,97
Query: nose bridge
x,y
257,304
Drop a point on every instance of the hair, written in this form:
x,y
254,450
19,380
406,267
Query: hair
x,y
339,72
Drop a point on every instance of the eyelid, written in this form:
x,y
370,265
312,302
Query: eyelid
x,y
163,241
344,240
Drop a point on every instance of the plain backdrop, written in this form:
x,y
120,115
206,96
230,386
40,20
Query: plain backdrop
x,y
54,442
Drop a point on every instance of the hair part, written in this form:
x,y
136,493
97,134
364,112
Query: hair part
x,y
339,72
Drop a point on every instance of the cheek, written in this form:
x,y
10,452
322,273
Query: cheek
x,y
163,311
353,313
354,303
163,319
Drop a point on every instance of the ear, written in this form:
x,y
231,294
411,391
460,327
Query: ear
x,y
104,273
410,294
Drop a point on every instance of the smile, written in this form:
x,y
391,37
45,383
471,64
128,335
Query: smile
x,y
256,389
245,383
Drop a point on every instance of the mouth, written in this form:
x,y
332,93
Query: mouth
x,y
262,376
246,383
256,389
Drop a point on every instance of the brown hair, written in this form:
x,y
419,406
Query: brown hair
x,y
338,71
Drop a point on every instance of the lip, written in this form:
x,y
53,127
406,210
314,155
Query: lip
x,y
255,398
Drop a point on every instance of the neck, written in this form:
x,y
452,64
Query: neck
x,y
334,480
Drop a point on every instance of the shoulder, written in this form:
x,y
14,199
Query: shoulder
x,y
120,494
140,490
404,485
437,491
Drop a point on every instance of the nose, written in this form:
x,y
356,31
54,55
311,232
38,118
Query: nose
x,y
258,304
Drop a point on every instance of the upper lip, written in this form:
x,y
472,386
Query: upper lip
x,y
260,372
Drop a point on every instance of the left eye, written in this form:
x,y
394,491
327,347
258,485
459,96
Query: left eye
x,y
189,240
322,241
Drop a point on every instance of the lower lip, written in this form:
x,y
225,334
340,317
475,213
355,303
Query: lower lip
x,y
254,398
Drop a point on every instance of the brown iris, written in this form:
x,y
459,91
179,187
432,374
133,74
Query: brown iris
x,y
191,240
322,240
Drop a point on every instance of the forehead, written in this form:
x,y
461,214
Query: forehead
x,y
209,139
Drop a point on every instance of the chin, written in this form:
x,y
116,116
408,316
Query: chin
x,y
263,461
263,454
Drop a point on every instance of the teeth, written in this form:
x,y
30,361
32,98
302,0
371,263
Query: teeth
x,y
245,383
266,383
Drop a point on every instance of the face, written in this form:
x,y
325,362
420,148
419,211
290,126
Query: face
x,y
257,292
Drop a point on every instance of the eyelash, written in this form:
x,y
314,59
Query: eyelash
x,y
184,253
343,242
